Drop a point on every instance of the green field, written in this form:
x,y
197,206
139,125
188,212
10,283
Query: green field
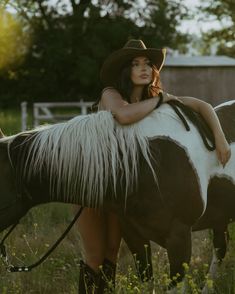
x,y
10,121
59,274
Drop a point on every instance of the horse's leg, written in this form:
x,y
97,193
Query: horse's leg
x,y
220,242
141,251
178,245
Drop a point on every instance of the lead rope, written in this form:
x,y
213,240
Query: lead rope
x,y
11,268
197,120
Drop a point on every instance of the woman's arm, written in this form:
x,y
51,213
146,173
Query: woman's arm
x,y
208,113
123,112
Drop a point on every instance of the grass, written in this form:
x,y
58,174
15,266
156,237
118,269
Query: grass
x,y
59,274
10,121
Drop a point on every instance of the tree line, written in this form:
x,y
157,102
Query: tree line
x,y
58,49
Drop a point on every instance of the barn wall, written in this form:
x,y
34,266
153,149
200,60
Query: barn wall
x,y
212,84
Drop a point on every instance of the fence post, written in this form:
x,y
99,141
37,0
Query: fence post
x,y
35,115
23,116
83,107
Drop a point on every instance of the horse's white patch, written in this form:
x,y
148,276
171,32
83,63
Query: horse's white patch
x,y
164,122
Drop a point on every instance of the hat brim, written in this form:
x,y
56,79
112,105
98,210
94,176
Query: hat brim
x,y
117,60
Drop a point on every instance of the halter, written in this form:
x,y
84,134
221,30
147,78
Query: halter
x,y
197,120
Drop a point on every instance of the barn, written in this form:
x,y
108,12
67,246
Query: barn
x,y
211,78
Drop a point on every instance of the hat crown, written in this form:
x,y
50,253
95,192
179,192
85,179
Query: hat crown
x,y
135,44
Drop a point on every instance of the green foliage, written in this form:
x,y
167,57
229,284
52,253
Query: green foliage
x,y
160,26
69,45
14,41
223,39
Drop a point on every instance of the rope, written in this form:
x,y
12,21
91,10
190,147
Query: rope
x,y
11,268
197,120
184,121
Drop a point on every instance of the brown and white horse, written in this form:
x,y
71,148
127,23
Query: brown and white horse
x,y
160,179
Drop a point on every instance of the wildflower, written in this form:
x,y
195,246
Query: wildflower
x,y
186,267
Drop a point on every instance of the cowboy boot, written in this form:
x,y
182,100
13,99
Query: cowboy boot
x,y
89,280
107,281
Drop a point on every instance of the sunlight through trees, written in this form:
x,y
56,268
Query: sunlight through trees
x,y
14,40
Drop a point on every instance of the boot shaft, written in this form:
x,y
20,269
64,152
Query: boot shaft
x,y
89,280
108,273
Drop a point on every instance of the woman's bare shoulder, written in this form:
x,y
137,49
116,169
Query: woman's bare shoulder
x,y
107,91
111,99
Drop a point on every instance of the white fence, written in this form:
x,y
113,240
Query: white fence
x,y
43,111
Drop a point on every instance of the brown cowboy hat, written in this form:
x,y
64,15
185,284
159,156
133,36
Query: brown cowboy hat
x,y
133,48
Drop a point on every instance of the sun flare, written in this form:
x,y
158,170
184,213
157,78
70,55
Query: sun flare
x,y
14,40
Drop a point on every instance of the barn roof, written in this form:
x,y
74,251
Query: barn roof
x,y
200,61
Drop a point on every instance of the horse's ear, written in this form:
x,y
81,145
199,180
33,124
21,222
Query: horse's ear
x,y
1,133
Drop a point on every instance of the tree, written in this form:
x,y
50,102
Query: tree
x,y
70,42
14,41
161,21
222,39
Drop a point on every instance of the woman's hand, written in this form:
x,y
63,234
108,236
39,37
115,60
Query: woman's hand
x,y
223,149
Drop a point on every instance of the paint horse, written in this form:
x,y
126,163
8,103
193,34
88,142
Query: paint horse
x,y
154,174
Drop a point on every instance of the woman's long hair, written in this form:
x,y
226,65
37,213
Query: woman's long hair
x,y
124,85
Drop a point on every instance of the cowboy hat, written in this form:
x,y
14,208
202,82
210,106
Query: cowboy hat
x,y
133,48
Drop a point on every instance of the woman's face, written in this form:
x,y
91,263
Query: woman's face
x,y
141,71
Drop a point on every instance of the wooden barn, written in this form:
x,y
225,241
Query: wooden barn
x,y
211,78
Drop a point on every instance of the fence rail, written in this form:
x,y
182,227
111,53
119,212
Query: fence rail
x,y
43,111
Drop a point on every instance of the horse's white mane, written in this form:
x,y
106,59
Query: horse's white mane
x,y
86,154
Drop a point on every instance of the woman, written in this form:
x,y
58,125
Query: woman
x,y
131,77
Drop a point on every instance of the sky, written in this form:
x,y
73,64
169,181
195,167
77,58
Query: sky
x,y
196,25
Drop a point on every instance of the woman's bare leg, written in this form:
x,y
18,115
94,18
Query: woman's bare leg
x,y
113,236
91,226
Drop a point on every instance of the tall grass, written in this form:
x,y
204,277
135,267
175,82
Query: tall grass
x,y
59,274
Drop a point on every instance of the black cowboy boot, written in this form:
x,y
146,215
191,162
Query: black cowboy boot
x,y
107,281
89,280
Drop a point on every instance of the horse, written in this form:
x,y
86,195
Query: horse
x,y
160,180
